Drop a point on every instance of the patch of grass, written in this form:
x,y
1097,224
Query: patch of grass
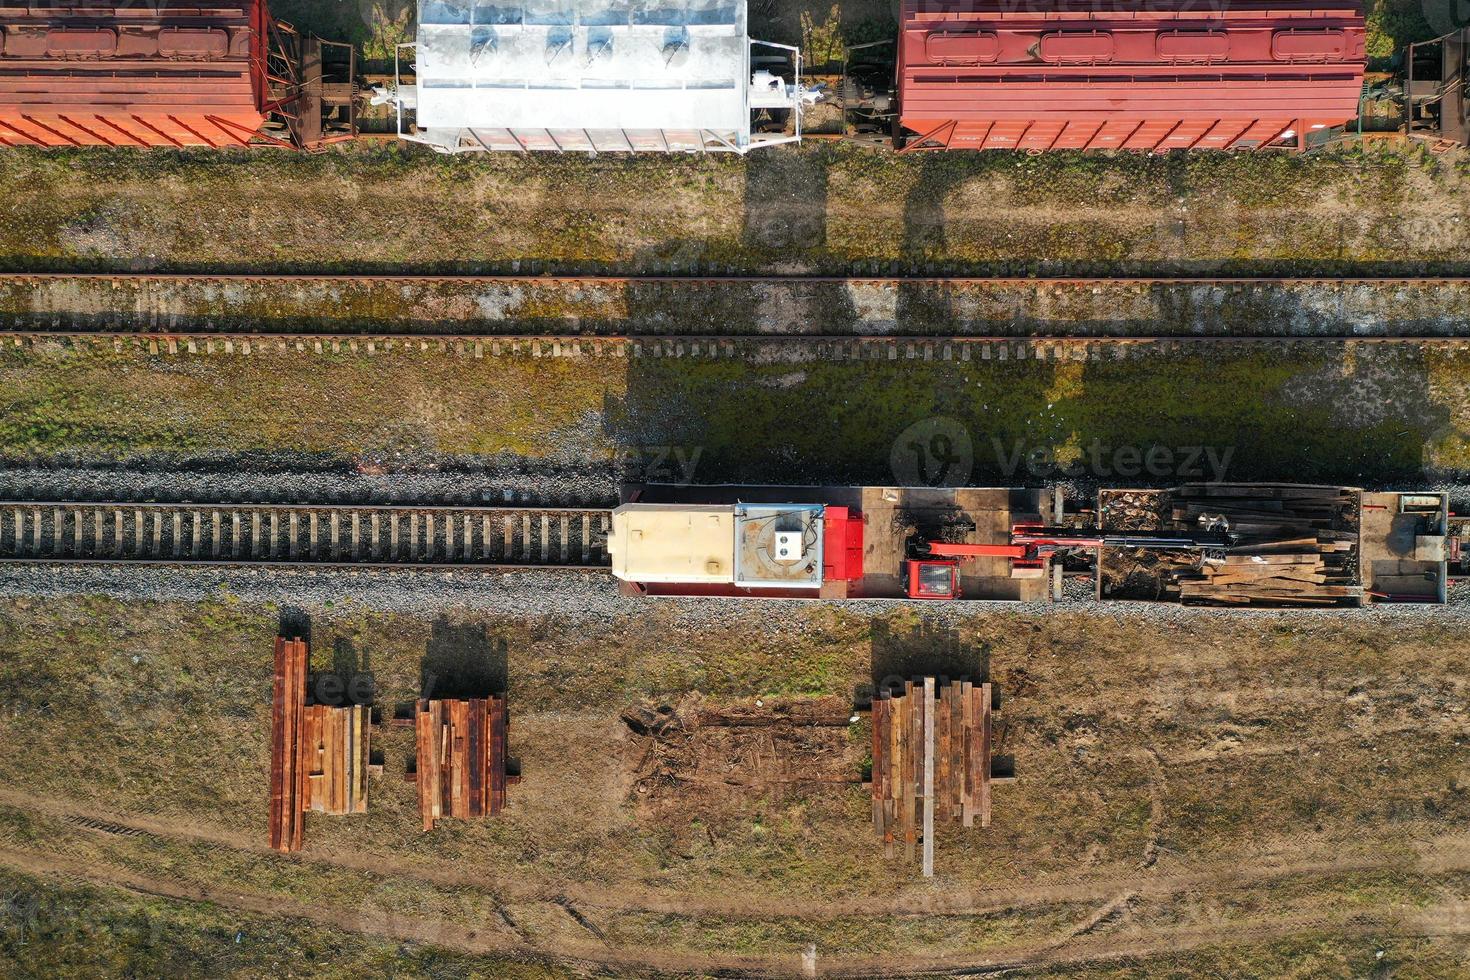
x,y
1278,415
842,209
51,930
1212,741
1299,413
56,396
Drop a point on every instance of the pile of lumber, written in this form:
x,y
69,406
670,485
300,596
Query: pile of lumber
x,y
320,755
931,761
337,748
288,710
1292,545
461,758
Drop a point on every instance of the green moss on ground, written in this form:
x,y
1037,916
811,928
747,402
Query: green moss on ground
x,y
99,402
1298,413
818,208
1304,412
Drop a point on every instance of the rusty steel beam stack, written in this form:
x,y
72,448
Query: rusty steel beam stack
x,y
461,758
931,761
288,711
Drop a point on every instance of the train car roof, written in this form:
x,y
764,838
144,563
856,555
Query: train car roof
x,y
582,64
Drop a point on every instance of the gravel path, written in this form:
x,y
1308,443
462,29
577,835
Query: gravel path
x,y
591,598
287,478
284,479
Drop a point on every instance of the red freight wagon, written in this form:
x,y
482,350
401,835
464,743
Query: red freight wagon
x,y
993,74
166,73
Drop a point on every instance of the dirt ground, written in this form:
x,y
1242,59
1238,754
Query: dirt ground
x,y
1232,782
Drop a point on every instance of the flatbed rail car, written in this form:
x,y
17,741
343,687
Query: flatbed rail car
x,y
172,73
1202,544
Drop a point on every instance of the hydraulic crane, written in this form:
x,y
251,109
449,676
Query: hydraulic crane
x,y
932,570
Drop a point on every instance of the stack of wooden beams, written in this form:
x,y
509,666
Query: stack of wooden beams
x,y
461,758
337,746
288,709
931,761
1294,545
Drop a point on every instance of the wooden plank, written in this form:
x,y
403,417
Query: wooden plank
x,y
939,767
349,756
894,778
422,720
985,750
928,777
308,758
475,798
967,782
482,760
312,798
498,739
438,734
906,804
460,759
337,752
875,784
278,732
955,793
326,761
296,657
469,760
365,757
446,759
891,781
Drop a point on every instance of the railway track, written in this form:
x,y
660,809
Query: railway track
x,y
880,279
493,538
825,347
679,316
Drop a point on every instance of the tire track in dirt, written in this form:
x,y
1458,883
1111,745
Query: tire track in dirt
x,y
1441,855
1075,949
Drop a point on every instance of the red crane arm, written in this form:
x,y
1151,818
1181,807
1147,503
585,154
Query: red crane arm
x,y
940,549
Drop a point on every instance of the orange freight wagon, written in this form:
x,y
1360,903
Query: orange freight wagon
x,y
1166,75
169,74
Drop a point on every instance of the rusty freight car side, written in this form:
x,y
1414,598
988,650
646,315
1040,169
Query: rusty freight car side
x,y
1249,74
167,74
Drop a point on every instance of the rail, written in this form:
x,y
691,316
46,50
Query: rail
x,y
552,278
491,538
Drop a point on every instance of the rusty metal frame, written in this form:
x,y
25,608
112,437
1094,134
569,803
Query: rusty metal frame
x,y
917,145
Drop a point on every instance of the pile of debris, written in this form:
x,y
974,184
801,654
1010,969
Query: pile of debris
x,y
337,746
461,763
321,755
931,761
726,753
1291,545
